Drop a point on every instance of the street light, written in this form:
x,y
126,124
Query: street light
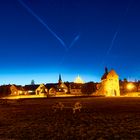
x,y
130,86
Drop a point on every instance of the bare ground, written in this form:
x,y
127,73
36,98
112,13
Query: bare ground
x,y
100,118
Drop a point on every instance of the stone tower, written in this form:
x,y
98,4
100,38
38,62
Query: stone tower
x,y
109,84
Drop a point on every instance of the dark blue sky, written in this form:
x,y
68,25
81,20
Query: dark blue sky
x,y
103,32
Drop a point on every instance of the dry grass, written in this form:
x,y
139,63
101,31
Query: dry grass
x,y
100,118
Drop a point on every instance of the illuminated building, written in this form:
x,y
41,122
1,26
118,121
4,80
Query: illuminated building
x,y
17,90
109,84
78,80
41,90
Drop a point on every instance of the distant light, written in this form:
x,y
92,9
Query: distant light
x,y
130,86
30,91
78,80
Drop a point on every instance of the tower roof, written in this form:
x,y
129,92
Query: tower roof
x,y
112,73
105,74
108,74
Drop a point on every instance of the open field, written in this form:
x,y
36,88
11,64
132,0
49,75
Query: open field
x,y
100,118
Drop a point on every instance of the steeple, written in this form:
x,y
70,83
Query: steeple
x,y
105,74
59,80
106,70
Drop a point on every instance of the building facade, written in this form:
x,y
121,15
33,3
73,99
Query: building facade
x,y
109,85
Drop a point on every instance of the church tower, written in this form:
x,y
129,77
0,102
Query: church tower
x,y
60,79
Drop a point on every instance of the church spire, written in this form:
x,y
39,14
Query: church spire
x,y
106,70
60,79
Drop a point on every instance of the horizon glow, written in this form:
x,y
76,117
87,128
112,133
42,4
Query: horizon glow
x,y
25,79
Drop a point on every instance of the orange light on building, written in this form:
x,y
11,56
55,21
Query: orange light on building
x,y
130,86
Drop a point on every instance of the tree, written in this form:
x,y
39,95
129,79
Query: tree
x,y
125,80
5,90
32,82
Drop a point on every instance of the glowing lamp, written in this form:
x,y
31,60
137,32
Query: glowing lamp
x,y
130,86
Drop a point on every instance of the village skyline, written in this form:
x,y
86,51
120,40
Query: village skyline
x,y
49,78
78,79
109,85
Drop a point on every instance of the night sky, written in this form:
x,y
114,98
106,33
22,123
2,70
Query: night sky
x,y
40,39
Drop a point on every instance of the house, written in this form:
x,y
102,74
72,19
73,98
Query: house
x,y
89,88
127,87
138,86
52,89
61,87
109,85
30,89
41,90
131,88
17,90
5,90
75,88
